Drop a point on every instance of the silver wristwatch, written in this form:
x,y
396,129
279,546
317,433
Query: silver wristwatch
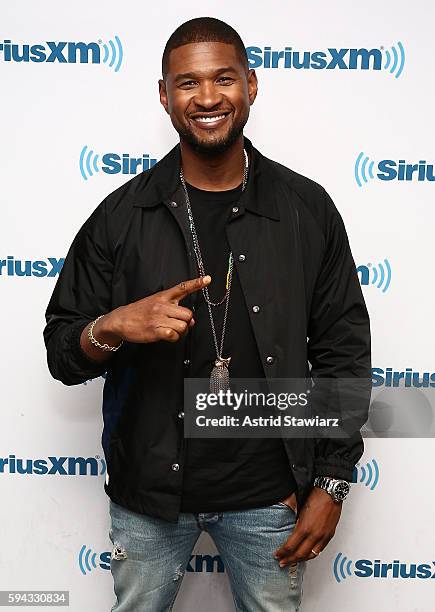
x,y
337,489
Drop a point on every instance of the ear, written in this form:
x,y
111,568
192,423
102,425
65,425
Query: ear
x,y
163,95
252,85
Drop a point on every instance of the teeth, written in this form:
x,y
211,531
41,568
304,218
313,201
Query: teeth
x,y
209,119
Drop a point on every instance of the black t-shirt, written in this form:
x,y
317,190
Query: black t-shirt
x,y
228,473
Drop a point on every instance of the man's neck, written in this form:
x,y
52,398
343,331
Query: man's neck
x,y
214,173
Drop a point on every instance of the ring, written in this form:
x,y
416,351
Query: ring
x,y
315,552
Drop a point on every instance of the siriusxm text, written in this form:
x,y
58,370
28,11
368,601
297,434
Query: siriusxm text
x,y
366,568
61,466
62,52
390,170
41,267
406,378
197,563
330,59
124,164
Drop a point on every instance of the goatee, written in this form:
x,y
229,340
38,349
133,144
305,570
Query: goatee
x,y
214,147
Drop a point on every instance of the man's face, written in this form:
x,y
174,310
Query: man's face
x,y
207,94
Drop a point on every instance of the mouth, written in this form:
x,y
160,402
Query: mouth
x,y
210,120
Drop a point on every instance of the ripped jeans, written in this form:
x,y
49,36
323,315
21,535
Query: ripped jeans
x,y
150,555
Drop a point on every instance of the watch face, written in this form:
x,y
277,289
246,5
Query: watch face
x,y
340,490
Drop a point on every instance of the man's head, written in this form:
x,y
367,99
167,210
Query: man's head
x,y
206,75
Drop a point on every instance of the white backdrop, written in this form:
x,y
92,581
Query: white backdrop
x,y
54,526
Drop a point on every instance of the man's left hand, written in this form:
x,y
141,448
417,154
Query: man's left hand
x,y
314,528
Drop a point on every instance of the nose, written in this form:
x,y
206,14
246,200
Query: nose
x,y
208,95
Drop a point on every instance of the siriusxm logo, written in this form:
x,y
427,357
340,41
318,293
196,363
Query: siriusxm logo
x,y
49,267
112,163
90,560
408,378
391,170
366,568
367,474
57,466
378,275
50,52
391,60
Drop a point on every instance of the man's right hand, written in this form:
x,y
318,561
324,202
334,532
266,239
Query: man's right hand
x,y
153,318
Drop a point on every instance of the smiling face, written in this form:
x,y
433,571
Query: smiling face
x,y
207,94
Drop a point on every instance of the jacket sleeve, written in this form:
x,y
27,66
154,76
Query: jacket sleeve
x,y
339,343
81,294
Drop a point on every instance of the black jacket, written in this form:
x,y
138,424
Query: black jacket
x,y
298,268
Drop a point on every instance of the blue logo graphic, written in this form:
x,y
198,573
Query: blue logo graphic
x,y
59,466
391,60
380,275
407,378
342,567
110,53
366,170
87,560
395,60
112,163
90,560
39,268
113,53
368,474
368,568
361,169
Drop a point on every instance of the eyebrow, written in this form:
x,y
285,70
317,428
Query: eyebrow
x,y
194,75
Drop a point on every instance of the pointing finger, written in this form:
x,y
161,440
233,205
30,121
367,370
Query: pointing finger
x,y
180,291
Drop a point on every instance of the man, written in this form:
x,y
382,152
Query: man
x,y
216,262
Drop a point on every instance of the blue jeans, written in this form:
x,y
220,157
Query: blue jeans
x,y
150,555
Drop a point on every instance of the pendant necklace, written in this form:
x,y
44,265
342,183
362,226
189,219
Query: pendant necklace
x,y
219,377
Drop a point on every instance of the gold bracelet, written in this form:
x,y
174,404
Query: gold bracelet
x,y
103,347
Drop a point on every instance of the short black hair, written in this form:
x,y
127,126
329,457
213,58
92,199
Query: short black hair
x,y
203,29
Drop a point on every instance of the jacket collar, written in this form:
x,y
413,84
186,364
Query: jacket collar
x,y
259,196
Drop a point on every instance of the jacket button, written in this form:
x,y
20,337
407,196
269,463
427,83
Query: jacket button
x,y
173,204
235,209
256,308
270,359
181,415
175,467
242,257
186,362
